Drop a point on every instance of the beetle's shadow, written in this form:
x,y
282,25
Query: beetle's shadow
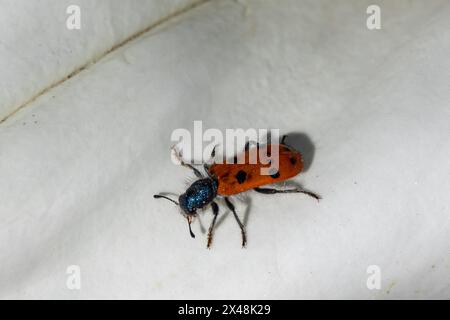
x,y
302,142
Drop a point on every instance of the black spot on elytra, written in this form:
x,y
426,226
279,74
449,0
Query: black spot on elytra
x,y
293,161
275,175
241,176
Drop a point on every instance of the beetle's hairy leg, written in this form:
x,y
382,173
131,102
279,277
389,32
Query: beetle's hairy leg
x,y
241,225
179,157
189,220
296,190
215,209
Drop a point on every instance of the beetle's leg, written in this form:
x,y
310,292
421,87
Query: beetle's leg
x,y
206,168
283,138
272,191
248,143
189,219
215,209
231,207
246,148
213,152
197,173
207,164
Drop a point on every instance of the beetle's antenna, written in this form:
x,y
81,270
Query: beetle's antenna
x,y
189,219
158,196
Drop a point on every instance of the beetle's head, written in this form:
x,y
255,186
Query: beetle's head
x,y
187,205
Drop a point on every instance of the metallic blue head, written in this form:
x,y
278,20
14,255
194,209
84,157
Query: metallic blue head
x,y
198,195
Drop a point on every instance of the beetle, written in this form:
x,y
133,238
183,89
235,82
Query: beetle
x,y
228,179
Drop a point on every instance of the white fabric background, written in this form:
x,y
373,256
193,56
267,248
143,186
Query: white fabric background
x,y
79,164
37,49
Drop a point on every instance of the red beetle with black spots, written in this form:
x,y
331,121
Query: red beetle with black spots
x,y
228,179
